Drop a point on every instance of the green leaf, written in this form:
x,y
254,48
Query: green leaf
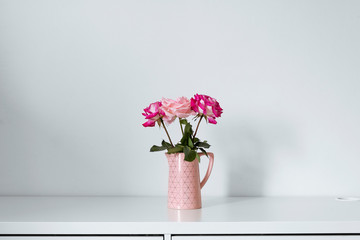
x,y
187,134
183,121
157,148
166,145
198,157
190,143
196,140
202,144
192,155
187,151
176,149
188,129
203,150
183,140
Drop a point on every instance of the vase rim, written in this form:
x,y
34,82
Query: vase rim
x,y
180,153
174,153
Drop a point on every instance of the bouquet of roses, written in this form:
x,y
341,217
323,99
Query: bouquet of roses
x,y
167,110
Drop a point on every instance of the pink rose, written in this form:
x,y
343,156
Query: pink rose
x,y
166,106
153,114
206,106
180,108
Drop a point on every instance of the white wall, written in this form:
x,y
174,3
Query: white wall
x,y
75,76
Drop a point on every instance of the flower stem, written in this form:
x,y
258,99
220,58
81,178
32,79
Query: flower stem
x,y
162,122
197,127
182,130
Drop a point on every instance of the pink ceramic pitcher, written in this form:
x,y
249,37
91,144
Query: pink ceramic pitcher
x,y
184,189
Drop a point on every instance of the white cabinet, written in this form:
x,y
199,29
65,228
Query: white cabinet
x,y
148,218
279,237
83,238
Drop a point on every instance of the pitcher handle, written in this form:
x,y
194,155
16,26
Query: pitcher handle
x,y
208,172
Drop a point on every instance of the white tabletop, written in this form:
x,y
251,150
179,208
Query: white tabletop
x,y
150,215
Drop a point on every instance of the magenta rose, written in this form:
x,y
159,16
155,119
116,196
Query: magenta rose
x,y
206,106
153,114
180,108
